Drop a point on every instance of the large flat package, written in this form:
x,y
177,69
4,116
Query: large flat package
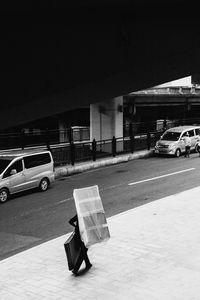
x,y
72,250
91,216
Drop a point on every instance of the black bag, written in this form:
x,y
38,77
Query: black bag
x,y
72,250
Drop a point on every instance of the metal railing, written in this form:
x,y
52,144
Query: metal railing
x,y
73,146
77,152
24,138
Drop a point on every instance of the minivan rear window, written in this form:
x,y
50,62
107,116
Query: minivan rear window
x,y
3,164
36,160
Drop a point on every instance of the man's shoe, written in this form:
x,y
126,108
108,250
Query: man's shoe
x,y
75,272
88,266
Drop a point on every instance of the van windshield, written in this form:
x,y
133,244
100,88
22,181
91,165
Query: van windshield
x,y
171,136
3,164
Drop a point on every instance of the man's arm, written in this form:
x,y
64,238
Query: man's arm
x,y
73,221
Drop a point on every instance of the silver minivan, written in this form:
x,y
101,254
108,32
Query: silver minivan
x,y
25,170
172,141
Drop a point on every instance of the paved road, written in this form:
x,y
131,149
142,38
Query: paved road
x,y
32,218
153,254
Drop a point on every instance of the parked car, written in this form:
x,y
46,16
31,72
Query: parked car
x,y
25,170
172,141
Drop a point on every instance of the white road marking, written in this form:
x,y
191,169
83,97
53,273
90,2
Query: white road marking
x,y
162,176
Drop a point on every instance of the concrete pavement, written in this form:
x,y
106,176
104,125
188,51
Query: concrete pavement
x,y
153,253
84,166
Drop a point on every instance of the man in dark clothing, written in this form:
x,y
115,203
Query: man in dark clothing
x,y
83,254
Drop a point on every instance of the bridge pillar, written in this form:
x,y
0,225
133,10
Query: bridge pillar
x,y
106,120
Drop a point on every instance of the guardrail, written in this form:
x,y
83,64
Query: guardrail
x,y
23,138
72,145
74,152
77,152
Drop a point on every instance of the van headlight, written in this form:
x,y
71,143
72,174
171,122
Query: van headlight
x,y
171,146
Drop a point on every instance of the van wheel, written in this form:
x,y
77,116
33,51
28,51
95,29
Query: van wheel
x,y
44,184
197,148
178,153
4,195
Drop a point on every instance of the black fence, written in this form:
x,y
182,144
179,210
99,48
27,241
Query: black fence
x,y
23,138
72,145
87,151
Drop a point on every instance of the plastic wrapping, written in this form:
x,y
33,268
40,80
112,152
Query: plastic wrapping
x,y
91,216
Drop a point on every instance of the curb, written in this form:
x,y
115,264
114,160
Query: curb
x,y
85,166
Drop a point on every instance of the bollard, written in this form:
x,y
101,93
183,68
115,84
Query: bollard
x,y
113,146
148,140
132,143
94,150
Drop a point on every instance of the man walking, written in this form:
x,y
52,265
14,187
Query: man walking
x,y
187,141
83,254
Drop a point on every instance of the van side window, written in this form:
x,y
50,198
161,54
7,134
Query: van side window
x,y
191,133
16,165
36,160
197,131
185,133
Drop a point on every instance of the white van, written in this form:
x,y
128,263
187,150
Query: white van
x,y
25,170
172,141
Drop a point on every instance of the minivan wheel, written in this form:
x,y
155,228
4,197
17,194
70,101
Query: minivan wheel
x,y
196,148
44,184
4,194
178,153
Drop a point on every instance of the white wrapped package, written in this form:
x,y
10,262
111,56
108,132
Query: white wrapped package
x,y
91,216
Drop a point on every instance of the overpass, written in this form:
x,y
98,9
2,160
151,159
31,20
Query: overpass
x,y
61,56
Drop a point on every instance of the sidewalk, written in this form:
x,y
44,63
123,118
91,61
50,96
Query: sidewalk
x,y
84,166
153,254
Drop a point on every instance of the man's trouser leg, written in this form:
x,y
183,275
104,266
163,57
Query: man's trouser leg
x,y
79,262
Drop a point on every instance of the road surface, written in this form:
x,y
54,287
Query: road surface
x,y
31,218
